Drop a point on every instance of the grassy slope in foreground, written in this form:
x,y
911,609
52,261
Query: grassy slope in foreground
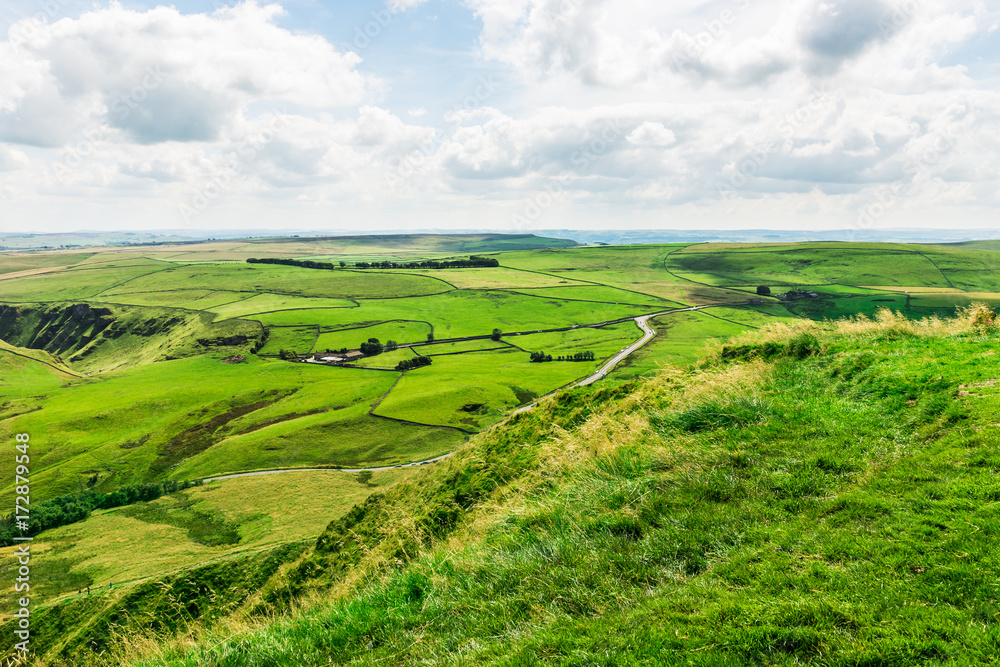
x,y
820,494
219,521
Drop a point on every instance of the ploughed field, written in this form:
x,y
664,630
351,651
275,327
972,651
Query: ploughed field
x,y
136,365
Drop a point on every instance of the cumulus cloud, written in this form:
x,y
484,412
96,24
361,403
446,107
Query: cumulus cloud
x,y
735,43
651,134
11,158
834,31
689,106
160,75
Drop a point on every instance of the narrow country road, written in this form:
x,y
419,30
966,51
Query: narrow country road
x,y
641,321
648,334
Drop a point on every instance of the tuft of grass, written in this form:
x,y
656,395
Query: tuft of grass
x,y
732,412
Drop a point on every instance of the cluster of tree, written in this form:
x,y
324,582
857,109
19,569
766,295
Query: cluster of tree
x,y
416,362
371,347
540,357
391,345
64,510
764,290
301,263
473,262
288,355
342,351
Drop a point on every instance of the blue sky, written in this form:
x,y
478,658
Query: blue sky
x,y
499,114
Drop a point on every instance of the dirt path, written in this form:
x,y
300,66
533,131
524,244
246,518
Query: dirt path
x,y
32,272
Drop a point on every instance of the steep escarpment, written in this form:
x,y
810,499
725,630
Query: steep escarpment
x,y
102,337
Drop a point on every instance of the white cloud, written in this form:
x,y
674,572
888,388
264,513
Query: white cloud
x,y
11,158
651,134
702,111
735,43
403,5
160,75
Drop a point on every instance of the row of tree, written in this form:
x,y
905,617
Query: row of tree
x,y
64,510
410,364
473,262
301,263
540,357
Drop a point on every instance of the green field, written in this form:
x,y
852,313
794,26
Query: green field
x,y
807,265
17,262
146,364
399,331
264,278
603,342
218,521
470,391
464,313
83,283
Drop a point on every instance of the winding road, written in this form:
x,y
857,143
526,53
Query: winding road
x,y
648,334
641,321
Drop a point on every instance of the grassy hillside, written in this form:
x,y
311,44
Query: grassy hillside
x,y
141,364
812,494
220,521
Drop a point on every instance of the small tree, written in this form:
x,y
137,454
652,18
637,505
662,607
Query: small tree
x,y
410,364
391,345
371,348
763,290
430,338
288,355
496,335
343,264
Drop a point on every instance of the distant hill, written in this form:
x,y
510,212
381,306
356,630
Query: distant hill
x,y
437,242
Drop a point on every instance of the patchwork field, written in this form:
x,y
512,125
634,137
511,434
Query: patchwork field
x,y
139,365
165,376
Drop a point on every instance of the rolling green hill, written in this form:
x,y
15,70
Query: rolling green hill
x,y
140,365
809,494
